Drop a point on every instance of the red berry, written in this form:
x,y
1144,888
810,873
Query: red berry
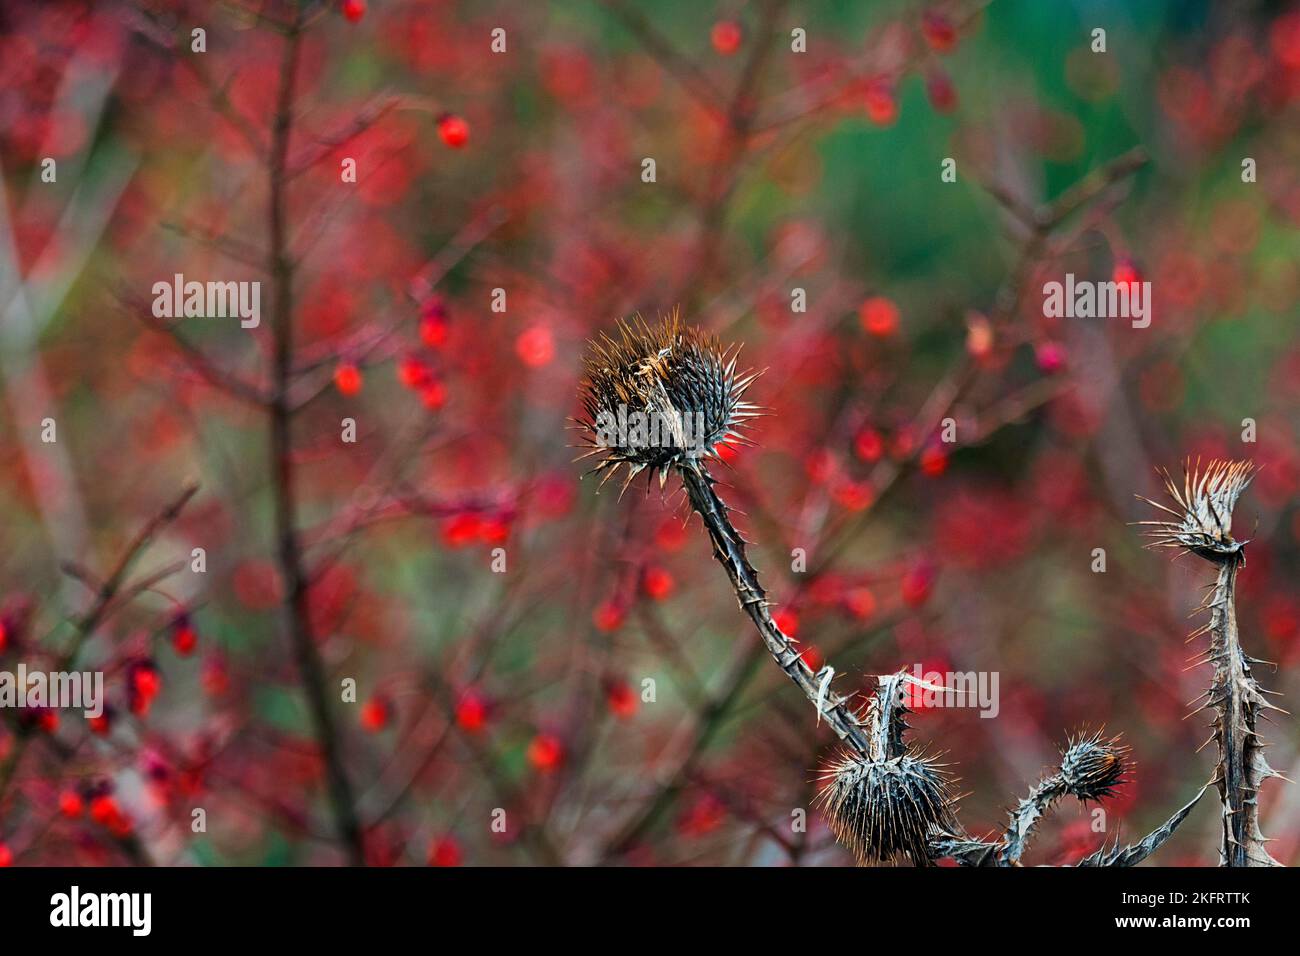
x,y
102,724
934,461
941,92
70,804
609,615
461,530
6,855
855,495
453,130
868,444
433,330
918,582
413,372
657,583
433,395
1050,357
620,698
184,637
882,108
860,602
788,621
354,10
444,851
375,714
471,712
812,658
938,31
725,37
4,635
347,378
879,316
143,684
545,752
535,346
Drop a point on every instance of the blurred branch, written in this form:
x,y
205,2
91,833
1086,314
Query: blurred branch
x,y
692,79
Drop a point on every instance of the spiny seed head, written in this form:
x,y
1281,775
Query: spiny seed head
x,y
1202,521
881,809
659,395
1092,767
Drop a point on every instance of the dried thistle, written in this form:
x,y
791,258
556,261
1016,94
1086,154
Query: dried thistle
x,y
1202,525
887,802
1091,768
661,395
882,809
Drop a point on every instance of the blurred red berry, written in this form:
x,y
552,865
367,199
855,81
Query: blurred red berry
x,y
1050,357
376,714
184,637
788,621
917,583
879,316
812,657
940,91
657,583
347,378
413,372
453,130
6,855
214,677
855,495
433,331
882,108
101,725
621,699
1284,37
71,805
609,615
354,10
860,602
938,31
535,346
545,753
934,460
868,444
433,395
725,36
471,712
461,530
143,684
444,851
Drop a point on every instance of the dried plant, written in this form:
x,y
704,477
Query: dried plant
x,y
1202,525
885,800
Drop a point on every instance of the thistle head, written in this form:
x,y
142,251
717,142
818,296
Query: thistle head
x,y
661,395
1091,767
1201,522
882,809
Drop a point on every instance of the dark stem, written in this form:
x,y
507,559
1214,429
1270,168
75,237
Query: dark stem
x,y
729,549
297,610
1237,699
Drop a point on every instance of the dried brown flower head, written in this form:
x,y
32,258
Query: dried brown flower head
x,y
659,395
1203,522
1091,768
882,809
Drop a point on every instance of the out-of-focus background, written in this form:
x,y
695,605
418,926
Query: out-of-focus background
x,y
504,210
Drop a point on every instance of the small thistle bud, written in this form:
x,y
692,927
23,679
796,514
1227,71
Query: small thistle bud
x,y
1091,768
882,809
659,396
1202,522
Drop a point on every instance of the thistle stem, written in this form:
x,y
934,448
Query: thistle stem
x,y
1238,699
729,549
